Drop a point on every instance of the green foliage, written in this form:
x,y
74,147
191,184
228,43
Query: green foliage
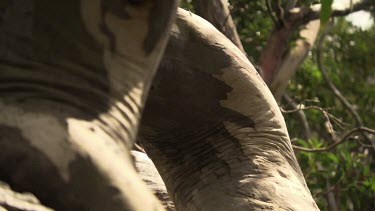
x,y
348,170
325,11
186,4
342,172
253,25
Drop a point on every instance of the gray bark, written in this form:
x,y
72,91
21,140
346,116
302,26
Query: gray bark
x,y
72,90
223,144
150,175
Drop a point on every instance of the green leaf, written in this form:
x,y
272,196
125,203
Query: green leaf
x,y
366,170
325,11
332,157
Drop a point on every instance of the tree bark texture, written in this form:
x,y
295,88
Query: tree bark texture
x,y
72,91
11,200
223,145
73,88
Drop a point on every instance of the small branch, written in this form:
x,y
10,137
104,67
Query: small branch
x,y
270,11
332,87
302,16
323,110
343,139
137,145
291,4
327,115
301,116
331,199
281,13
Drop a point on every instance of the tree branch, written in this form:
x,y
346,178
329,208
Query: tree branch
x,y
281,13
323,110
301,116
293,58
334,89
272,55
330,84
270,11
218,14
300,16
343,139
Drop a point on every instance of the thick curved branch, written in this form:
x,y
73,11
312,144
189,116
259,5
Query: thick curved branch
x,y
343,139
281,13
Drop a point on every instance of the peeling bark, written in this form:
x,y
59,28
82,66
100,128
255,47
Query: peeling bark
x,y
223,145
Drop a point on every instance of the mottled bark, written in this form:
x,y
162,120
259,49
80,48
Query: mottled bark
x,y
223,145
72,90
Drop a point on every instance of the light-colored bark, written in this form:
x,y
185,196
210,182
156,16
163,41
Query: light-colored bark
x,y
294,58
72,90
150,175
11,200
223,145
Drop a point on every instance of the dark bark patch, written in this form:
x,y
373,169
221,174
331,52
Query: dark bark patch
x,y
4,5
184,121
158,23
48,54
27,169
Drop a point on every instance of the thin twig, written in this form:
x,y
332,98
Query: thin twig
x,y
301,116
303,15
332,87
302,108
338,121
270,11
330,84
343,139
281,12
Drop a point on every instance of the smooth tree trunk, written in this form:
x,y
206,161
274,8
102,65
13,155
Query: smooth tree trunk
x,y
214,130
74,76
